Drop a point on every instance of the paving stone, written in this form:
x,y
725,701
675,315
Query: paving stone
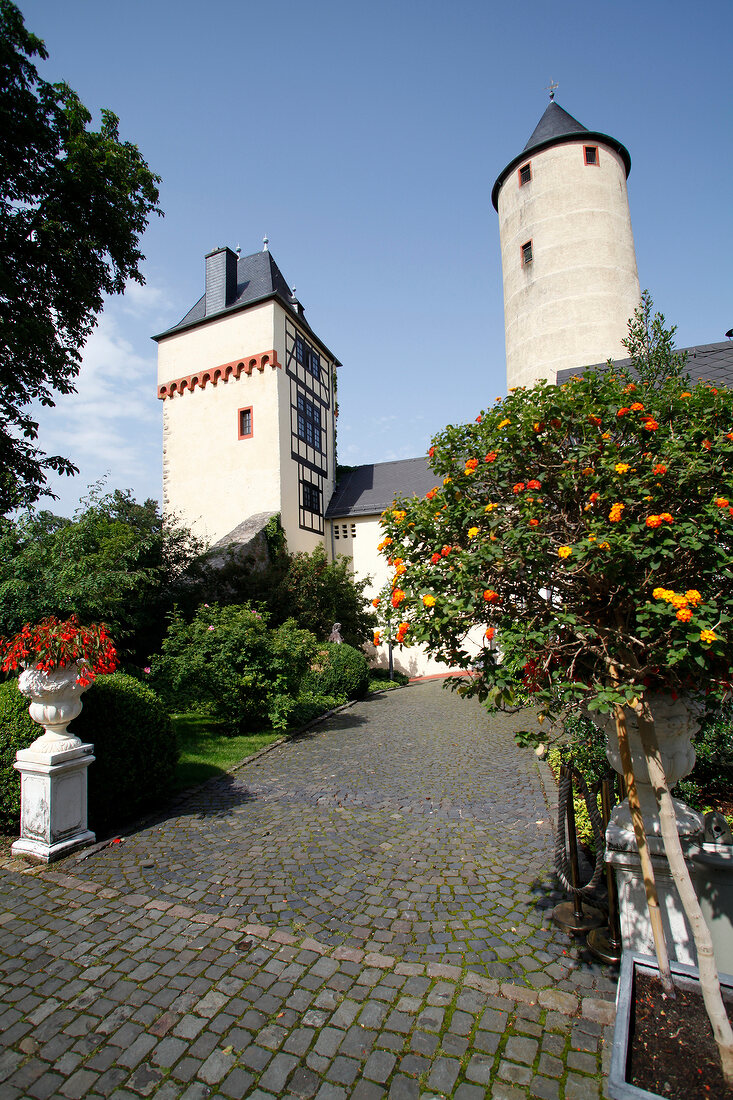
x,y
580,1088
443,1074
403,1088
544,1088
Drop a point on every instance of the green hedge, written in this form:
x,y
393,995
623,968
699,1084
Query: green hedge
x,y
338,670
134,747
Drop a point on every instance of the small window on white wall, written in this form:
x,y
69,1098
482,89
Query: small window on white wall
x,y
526,253
245,423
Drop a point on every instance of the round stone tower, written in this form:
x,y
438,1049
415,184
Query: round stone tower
x,y
567,250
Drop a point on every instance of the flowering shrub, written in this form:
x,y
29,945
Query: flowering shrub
x,y
52,644
602,561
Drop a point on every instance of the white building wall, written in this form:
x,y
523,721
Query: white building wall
x,y
570,306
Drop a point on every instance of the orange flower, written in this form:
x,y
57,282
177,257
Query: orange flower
x,y
471,466
622,412
490,596
401,631
594,419
654,521
708,636
478,418
384,542
564,552
588,470
637,407
604,545
435,559
518,488
445,551
397,597
622,467
489,634
377,638
431,493
631,388
593,497
534,523
615,514
376,601
707,444
431,452
684,614
428,600
722,502
533,484
491,456
685,393
660,468
650,424
693,596
504,423
490,507
666,517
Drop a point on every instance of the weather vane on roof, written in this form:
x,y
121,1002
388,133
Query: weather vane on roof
x,y
551,88
265,242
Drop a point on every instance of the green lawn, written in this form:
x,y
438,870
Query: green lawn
x,y
207,751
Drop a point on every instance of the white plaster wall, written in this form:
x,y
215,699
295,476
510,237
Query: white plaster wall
x,y
212,480
367,561
571,305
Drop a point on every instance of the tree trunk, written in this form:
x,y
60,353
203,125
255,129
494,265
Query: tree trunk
x,y
709,982
647,869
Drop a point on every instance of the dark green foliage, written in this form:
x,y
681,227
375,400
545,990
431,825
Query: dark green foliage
x,y
230,664
585,746
310,705
115,562
338,670
713,771
17,730
73,205
134,747
306,587
377,674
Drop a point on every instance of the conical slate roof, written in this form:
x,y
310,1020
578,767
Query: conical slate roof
x,y
554,128
555,123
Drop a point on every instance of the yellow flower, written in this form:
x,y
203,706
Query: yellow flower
x,y
604,545
446,481
685,394
622,467
564,552
693,596
399,515
592,538
615,514
490,507
708,636
504,423
606,435
660,593
429,601
472,532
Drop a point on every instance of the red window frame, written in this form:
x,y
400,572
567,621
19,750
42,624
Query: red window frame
x,y
240,421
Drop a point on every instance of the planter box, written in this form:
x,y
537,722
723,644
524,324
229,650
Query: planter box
x,y
685,976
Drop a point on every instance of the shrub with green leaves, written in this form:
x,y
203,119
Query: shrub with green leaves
x,y
134,747
229,663
339,670
586,528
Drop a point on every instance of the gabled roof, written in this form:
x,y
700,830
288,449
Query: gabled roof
x,y
369,490
705,362
555,128
258,279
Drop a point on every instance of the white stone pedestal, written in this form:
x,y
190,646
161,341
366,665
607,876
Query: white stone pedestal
x,y
53,802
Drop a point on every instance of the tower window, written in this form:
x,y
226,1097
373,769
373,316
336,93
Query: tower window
x,y
591,154
311,497
526,253
309,422
525,174
245,423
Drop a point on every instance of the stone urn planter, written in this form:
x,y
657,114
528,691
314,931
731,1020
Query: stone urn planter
x,y
55,701
659,1039
53,769
675,721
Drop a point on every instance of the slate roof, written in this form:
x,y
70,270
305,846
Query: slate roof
x,y
368,490
258,279
709,362
554,128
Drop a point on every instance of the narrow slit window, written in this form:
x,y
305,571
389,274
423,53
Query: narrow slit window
x,y
591,154
353,530
245,423
526,253
525,174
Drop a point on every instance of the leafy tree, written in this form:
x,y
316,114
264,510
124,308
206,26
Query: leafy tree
x,y
589,529
73,205
307,587
116,561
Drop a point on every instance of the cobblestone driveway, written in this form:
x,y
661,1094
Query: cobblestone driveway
x,y
363,912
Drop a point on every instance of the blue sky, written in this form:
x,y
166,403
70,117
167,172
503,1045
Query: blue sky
x,y
364,141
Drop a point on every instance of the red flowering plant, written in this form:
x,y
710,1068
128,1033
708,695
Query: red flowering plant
x,y
53,644
592,542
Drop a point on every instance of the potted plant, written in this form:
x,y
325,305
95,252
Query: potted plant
x,y
588,528
59,660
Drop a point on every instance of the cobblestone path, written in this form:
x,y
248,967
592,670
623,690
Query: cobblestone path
x,y
362,911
